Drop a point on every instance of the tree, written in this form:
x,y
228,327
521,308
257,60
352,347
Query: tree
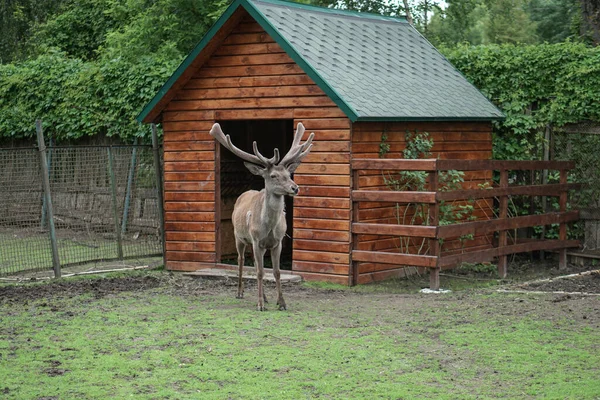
x,y
590,20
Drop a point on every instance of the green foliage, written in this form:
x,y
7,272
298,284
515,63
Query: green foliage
x,y
535,86
76,98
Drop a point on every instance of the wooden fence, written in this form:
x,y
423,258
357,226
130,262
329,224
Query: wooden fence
x,y
430,229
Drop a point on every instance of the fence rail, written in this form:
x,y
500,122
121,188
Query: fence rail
x,y
100,203
427,231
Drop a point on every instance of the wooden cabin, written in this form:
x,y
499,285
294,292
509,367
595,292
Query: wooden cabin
x,y
348,77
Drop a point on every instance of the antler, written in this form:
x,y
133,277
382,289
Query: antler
x,y
255,158
298,151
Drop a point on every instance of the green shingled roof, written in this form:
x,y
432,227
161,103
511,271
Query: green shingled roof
x,y
374,68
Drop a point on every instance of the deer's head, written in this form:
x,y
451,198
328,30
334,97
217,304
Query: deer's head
x,y
277,174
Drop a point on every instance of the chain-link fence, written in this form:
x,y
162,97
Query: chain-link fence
x,y
583,148
104,206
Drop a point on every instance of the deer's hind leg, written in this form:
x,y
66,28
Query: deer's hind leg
x,y
241,249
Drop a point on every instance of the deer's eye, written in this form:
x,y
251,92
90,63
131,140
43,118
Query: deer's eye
x,y
273,176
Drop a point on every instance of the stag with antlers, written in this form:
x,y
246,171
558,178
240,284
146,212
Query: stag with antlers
x,y
259,217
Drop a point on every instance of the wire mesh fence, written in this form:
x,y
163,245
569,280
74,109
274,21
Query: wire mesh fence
x,y
104,206
583,149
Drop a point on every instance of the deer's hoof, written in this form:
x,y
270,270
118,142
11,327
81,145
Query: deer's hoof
x,y
261,308
282,306
239,296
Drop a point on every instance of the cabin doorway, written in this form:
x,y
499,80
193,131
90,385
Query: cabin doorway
x,y
234,179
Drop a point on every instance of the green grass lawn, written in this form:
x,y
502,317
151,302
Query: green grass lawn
x,y
183,339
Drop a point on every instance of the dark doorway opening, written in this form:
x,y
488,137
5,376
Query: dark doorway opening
x,y
235,179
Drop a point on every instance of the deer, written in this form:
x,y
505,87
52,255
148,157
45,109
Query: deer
x,y
259,216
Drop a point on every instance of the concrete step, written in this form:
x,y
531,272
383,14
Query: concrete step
x,y
248,274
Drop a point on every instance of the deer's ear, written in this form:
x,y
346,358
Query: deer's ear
x,y
292,167
255,169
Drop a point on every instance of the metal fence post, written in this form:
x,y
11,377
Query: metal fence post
x,y
44,205
130,177
159,190
48,197
113,189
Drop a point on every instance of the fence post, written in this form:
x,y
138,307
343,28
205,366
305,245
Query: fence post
x,y
562,233
503,259
130,177
434,243
44,205
48,198
159,190
113,189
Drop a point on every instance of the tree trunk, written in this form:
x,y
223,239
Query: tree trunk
x,y
590,20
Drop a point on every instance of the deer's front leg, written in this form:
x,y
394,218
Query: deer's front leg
x,y
259,255
241,249
275,257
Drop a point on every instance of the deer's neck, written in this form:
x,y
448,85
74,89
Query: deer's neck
x,y
272,209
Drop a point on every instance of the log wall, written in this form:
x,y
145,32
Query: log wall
x,y
250,77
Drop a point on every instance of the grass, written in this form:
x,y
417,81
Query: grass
x,y
200,342
30,252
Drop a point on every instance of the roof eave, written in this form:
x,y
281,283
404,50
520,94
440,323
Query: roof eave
x,y
430,119
149,113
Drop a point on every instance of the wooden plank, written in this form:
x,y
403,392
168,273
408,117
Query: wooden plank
x,y
325,191
190,186
189,196
322,256
323,224
394,258
324,112
265,113
392,229
324,123
330,146
186,226
466,165
325,169
189,176
252,81
325,213
562,229
248,59
247,49
243,38
250,103
321,268
173,116
523,190
186,126
190,246
189,156
329,134
190,236
196,136
331,278
191,256
395,164
322,180
488,255
483,227
187,265
197,145
321,245
337,236
189,166
239,93
253,70
336,158
189,206
393,196
190,216
321,202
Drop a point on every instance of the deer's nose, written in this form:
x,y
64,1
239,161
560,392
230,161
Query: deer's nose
x,y
295,189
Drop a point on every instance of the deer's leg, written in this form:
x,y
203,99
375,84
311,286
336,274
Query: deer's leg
x,y
259,255
241,249
275,257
